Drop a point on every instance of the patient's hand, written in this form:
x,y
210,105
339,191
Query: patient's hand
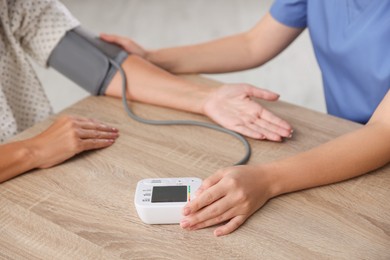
x,y
68,136
233,107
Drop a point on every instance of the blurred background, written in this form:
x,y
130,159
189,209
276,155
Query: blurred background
x,y
164,23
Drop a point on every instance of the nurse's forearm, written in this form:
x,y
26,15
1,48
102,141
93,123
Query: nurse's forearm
x,y
346,157
149,84
222,55
239,52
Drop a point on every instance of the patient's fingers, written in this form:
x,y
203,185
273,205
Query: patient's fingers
x,y
270,117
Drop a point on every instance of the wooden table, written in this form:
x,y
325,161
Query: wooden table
x,y
83,209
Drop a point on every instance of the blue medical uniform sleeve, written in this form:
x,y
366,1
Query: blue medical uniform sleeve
x,y
292,13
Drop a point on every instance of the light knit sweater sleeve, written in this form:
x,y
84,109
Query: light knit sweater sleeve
x,y
39,25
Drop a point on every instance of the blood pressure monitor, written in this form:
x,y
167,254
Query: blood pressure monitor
x,y
160,201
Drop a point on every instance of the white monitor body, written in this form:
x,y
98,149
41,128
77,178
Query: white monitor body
x,y
161,200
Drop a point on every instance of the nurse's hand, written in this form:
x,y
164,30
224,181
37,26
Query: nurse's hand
x,y
68,136
233,107
232,194
129,45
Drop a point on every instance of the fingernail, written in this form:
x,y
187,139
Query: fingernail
x,y
218,233
184,224
114,129
186,211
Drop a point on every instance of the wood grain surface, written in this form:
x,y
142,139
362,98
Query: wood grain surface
x,y
83,209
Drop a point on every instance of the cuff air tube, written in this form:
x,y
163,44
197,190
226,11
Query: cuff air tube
x,y
85,59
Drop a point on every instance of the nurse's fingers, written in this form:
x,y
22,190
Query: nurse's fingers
x,y
229,227
213,219
206,198
129,45
210,181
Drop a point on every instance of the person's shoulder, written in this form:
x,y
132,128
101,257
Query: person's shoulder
x,y
292,13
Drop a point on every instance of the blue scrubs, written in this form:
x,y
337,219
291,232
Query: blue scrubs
x,y
351,40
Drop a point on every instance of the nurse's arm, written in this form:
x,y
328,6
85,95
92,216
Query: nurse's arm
x,y
345,157
235,193
235,53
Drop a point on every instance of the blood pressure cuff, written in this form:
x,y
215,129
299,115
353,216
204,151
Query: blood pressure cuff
x,y
85,59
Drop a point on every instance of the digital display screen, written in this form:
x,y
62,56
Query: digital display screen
x,y
169,194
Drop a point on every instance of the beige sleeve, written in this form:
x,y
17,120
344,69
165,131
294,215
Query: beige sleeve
x,y
39,25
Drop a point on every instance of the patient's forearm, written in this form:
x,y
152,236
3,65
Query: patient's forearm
x,y
15,158
150,84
